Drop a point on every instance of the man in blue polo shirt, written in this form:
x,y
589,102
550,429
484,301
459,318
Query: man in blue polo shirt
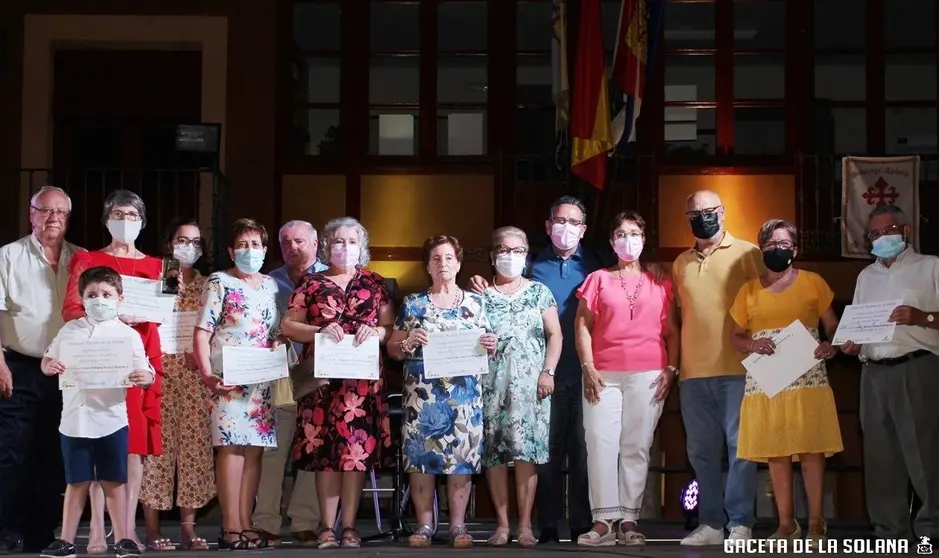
x,y
298,244
562,268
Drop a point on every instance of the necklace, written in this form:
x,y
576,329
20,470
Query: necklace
x,y
514,287
632,298
133,267
449,306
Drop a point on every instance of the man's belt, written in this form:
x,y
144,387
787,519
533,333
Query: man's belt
x,y
898,360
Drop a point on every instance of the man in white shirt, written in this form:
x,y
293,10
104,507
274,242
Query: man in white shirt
x,y
298,244
900,382
33,278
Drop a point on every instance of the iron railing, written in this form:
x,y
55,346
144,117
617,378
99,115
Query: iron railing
x,y
200,192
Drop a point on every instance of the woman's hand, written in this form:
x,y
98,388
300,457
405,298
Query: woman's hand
x,y
825,351
545,385
663,384
55,368
363,333
333,331
276,343
142,378
416,338
593,384
850,348
489,341
478,284
132,320
215,385
764,346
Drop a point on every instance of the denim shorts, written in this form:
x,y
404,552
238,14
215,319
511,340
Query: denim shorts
x,y
96,459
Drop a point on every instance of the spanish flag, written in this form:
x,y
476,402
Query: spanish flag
x,y
591,136
636,40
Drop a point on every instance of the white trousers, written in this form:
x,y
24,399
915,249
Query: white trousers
x,y
303,509
619,431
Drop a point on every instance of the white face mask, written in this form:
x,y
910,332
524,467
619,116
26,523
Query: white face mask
x,y
125,230
510,265
100,309
345,256
187,255
565,236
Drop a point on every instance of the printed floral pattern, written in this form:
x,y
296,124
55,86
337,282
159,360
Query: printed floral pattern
x,y
240,316
187,461
516,423
443,418
344,426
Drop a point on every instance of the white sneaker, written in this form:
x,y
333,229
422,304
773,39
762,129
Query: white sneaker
x,y
704,536
740,533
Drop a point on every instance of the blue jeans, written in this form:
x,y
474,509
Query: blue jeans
x,y
710,409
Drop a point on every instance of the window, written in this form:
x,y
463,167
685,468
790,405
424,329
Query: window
x,y
694,75
840,77
840,131
910,77
688,25
911,130
536,130
394,78
394,26
841,25
462,78
315,73
759,131
690,132
759,25
910,24
759,76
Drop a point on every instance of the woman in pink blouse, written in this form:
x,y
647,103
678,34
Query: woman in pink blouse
x,y
627,338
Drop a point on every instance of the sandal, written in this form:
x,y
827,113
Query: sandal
x,y
460,537
241,543
526,538
193,543
160,544
257,542
350,538
326,538
422,537
816,537
499,538
595,538
626,534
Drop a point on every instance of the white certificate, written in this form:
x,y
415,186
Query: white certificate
x,y
793,357
449,354
176,332
867,323
143,299
243,366
345,360
102,363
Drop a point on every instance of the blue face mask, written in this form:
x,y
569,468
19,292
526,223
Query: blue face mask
x,y
101,309
888,246
249,260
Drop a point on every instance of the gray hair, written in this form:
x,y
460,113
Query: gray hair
x,y
567,200
897,213
296,224
47,190
124,198
502,232
773,225
329,235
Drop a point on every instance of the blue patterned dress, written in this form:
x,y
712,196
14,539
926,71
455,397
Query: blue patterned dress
x,y
516,421
443,418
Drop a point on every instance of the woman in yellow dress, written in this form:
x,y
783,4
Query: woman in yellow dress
x,y
800,422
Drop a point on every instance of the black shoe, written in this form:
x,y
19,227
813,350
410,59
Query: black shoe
x,y
549,535
9,543
126,548
59,549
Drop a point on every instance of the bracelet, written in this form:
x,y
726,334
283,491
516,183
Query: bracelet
x,y
585,364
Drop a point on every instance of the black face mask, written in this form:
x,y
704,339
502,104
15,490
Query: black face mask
x,y
777,260
705,226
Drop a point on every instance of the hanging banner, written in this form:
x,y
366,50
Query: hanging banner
x,y
868,182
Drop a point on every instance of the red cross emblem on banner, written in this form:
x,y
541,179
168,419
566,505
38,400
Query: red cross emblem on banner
x,y
881,193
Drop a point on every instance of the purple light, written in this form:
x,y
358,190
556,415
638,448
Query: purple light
x,y
689,496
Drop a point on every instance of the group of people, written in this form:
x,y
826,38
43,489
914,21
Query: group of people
x,y
581,358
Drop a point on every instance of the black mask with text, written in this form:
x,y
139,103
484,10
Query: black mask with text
x,y
777,259
706,225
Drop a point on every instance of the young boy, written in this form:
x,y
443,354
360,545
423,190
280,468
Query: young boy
x,y
94,421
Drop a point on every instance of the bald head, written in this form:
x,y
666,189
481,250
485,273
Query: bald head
x,y
701,200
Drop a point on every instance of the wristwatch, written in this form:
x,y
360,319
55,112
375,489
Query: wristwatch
x,y
930,318
548,371
672,369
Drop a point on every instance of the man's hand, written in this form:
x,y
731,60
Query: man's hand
x,y
142,378
908,316
54,368
545,385
478,284
658,272
6,380
850,348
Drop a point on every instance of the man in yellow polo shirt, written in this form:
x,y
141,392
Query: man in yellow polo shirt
x,y
712,378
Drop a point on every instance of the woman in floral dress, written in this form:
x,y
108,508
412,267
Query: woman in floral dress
x,y
239,309
516,403
343,427
443,418
187,462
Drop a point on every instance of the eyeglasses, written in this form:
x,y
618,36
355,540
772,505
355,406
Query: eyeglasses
x,y
51,212
564,221
779,244
503,250
705,211
185,242
888,230
626,234
121,216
